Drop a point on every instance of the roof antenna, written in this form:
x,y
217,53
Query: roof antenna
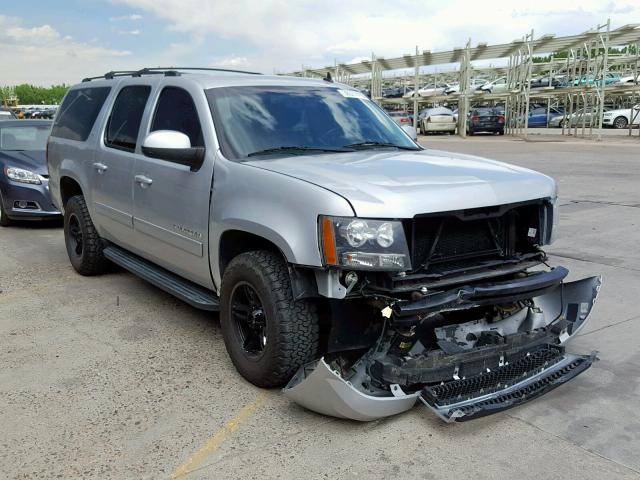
x,y
328,78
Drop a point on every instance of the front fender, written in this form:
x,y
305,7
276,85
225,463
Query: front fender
x,y
277,207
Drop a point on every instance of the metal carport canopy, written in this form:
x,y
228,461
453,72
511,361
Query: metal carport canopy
x,y
545,44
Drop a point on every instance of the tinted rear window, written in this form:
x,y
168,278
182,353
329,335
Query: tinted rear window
x,y
126,115
78,112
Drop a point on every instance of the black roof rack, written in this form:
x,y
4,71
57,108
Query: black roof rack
x,y
166,71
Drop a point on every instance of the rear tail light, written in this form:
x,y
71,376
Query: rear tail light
x,y
500,118
475,119
405,120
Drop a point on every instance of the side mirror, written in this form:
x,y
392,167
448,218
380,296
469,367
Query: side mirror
x,y
174,147
409,130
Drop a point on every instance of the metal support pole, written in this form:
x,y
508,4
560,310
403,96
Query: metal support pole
x,y
527,80
463,91
415,96
605,69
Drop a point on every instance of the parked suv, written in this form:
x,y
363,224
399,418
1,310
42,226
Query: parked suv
x,y
348,263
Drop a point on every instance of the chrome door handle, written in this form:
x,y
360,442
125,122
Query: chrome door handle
x,y
143,181
100,167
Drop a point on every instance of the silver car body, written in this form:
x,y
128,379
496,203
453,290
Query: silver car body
x,y
179,221
499,85
156,223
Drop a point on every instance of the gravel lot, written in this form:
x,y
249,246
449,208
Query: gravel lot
x,y
109,377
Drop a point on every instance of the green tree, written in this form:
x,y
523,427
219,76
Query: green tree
x,y
32,94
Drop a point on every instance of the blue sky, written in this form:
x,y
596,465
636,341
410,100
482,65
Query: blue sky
x,y
46,42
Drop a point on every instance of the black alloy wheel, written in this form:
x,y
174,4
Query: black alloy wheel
x,y
249,319
76,242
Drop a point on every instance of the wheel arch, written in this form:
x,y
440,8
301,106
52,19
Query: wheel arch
x,y
234,242
69,187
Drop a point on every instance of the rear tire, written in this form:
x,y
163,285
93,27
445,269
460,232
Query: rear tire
x,y
268,334
84,245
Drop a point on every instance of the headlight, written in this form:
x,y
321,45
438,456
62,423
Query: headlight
x,y
22,176
364,244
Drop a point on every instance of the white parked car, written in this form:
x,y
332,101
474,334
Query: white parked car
x,y
621,118
428,90
474,85
499,85
628,80
437,119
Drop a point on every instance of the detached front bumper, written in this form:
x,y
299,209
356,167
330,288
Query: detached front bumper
x,y
476,382
319,388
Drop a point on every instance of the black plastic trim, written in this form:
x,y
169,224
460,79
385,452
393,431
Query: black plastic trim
x,y
483,294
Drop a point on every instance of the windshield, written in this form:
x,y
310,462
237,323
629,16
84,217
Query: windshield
x,y
288,120
24,137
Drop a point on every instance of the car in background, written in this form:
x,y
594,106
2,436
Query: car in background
x,y
437,119
24,178
486,119
7,114
621,118
428,90
540,117
628,80
545,82
499,85
393,92
588,117
401,118
590,79
474,85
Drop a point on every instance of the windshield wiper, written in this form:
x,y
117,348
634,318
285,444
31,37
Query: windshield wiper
x,y
376,144
298,149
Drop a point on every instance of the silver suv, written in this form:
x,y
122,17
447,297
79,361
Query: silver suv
x,y
349,264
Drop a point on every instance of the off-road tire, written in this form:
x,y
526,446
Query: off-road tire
x,y
292,326
90,261
5,221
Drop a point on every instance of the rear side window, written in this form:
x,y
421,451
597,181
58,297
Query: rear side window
x,y
176,111
126,115
78,113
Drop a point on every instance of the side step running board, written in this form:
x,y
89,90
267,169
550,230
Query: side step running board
x,y
189,292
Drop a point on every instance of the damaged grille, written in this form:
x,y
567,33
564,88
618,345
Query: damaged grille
x,y
499,379
459,238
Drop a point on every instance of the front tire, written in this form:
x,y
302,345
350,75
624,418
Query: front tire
x,y
268,334
620,122
5,221
84,245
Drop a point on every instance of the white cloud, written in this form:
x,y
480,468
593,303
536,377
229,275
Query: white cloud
x,y
287,34
134,32
43,56
133,17
232,61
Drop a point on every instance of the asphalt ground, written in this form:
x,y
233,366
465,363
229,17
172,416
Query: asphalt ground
x,y
109,377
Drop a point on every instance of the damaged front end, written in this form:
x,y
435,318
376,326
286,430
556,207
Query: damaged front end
x,y
464,370
467,342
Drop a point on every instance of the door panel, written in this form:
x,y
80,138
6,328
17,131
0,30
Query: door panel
x,y
112,187
171,206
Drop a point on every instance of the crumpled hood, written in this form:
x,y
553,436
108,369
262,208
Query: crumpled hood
x,y
401,184
33,160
